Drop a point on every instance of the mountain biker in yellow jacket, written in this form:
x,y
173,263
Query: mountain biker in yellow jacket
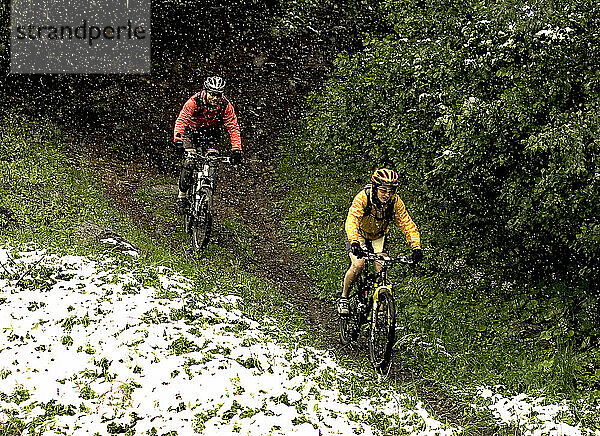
x,y
367,226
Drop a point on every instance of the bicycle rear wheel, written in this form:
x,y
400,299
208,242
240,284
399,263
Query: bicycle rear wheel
x,y
201,223
382,332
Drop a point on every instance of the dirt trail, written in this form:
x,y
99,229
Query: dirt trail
x,y
269,87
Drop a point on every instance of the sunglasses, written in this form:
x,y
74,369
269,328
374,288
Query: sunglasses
x,y
215,94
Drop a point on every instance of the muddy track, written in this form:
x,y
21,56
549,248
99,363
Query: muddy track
x,y
243,196
269,84
269,90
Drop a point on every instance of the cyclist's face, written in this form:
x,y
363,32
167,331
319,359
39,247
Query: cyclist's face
x,y
213,98
384,193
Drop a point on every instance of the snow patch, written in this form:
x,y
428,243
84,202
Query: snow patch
x,y
86,348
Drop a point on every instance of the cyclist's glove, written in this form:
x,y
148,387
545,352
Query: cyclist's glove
x,y
178,143
236,157
417,255
357,250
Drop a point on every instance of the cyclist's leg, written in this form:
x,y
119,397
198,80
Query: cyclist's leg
x,y
185,178
186,174
212,137
356,268
380,246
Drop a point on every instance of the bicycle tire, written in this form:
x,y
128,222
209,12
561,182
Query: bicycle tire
x,y
201,225
187,220
382,331
349,325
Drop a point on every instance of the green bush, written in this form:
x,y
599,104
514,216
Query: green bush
x,y
491,117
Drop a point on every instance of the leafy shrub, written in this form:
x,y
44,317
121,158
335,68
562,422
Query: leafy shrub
x,y
491,117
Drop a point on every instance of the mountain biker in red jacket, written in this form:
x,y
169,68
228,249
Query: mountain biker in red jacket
x,y
198,127
367,226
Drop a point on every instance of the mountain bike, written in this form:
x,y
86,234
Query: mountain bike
x,y
199,218
372,302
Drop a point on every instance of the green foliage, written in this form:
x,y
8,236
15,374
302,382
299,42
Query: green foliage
x,y
182,345
201,418
491,117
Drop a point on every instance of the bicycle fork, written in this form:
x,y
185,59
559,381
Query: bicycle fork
x,y
378,290
206,176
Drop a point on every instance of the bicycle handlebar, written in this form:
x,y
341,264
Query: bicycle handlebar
x,y
198,156
373,257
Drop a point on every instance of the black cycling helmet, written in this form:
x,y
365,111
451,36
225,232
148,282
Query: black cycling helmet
x,y
215,84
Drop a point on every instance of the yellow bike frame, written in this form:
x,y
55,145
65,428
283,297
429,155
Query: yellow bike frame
x,y
379,289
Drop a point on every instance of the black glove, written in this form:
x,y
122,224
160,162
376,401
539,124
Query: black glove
x,y
236,157
357,250
178,143
417,255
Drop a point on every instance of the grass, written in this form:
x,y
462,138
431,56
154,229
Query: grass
x,y
454,327
49,193
452,331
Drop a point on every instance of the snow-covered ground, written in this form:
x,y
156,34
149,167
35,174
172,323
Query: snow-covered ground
x,y
534,416
101,347
87,348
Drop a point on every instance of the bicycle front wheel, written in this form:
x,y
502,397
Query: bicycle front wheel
x,y
382,331
350,324
201,224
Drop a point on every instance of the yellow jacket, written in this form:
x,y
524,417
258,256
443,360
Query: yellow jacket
x,y
375,223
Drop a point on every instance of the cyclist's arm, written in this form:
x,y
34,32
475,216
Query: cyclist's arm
x,y
406,224
231,122
355,213
185,119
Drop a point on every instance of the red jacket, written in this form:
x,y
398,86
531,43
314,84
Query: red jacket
x,y
197,114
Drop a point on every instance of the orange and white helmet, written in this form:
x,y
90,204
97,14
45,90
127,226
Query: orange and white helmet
x,y
385,177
